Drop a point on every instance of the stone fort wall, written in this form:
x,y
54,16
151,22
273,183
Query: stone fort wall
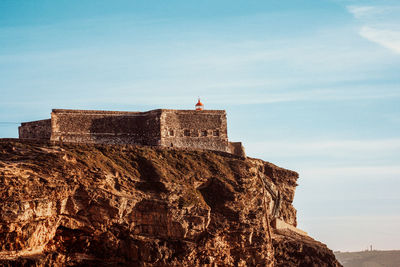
x,y
35,130
205,129
106,127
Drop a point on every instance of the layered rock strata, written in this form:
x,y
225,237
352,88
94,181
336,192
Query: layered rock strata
x,y
105,205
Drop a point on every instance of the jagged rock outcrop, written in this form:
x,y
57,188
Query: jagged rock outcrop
x,y
97,205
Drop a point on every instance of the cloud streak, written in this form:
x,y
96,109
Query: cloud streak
x,y
379,24
334,159
355,173
359,145
386,38
362,12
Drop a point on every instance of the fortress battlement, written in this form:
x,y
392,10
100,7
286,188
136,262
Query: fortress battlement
x,y
196,129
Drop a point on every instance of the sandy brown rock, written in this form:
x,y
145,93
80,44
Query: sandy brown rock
x,y
101,205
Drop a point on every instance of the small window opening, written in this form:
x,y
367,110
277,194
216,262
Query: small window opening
x,y
204,133
171,132
216,133
195,133
186,132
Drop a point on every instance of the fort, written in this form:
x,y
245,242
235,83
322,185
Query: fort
x,y
192,129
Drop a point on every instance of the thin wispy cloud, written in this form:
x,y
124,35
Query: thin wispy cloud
x,y
387,38
265,95
337,159
361,12
380,24
344,152
259,72
356,173
361,146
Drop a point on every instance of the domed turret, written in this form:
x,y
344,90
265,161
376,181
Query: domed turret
x,y
199,105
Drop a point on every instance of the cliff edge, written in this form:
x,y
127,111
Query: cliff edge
x,y
104,205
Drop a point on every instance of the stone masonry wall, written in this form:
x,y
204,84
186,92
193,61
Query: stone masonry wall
x,y
107,127
237,148
35,130
205,129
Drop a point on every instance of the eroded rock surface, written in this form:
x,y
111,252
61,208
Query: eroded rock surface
x,y
101,205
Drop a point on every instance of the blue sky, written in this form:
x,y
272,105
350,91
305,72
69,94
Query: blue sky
x,y
310,85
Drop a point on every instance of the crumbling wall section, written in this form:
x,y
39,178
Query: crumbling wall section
x,y
35,130
237,149
106,127
205,129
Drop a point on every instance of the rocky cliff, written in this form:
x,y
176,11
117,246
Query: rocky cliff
x,y
98,205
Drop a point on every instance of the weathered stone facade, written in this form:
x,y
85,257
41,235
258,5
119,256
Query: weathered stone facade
x,y
205,129
35,129
106,127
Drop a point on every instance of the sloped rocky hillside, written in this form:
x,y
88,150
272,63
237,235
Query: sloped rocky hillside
x,y
99,205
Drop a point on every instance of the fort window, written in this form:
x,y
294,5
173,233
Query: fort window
x,y
216,133
186,132
195,133
204,133
171,132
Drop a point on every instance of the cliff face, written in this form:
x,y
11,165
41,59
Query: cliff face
x,y
142,206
